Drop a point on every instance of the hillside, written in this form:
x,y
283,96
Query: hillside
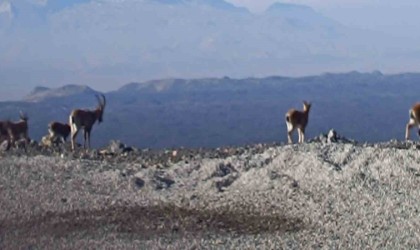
x,y
213,112
316,195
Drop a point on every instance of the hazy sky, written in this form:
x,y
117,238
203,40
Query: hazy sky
x,y
398,18
260,5
84,55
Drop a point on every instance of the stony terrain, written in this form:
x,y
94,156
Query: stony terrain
x,y
327,193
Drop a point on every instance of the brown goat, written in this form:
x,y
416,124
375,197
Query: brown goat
x,y
85,119
297,120
4,135
414,114
17,130
59,130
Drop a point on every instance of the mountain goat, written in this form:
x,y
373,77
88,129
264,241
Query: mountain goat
x,y
414,114
297,120
59,130
85,119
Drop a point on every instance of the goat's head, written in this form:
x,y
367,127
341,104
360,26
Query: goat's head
x,y
23,116
306,106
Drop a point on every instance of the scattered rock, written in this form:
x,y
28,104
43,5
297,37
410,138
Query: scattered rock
x,y
331,137
48,141
223,170
127,172
225,182
93,153
105,152
162,181
413,171
139,183
117,147
398,144
284,177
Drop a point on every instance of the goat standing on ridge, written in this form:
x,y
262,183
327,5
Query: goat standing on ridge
x,y
414,114
17,130
85,119
297,120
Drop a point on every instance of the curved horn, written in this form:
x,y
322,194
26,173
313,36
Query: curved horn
x,y
104,100
23,115
98,99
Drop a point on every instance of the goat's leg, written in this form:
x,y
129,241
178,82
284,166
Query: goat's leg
x,y
73,138
301,135
85,136
289,136
410,124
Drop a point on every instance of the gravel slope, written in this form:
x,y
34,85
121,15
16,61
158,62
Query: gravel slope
x,y
316,195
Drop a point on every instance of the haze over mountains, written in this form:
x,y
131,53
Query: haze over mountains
x,y
107,43
212,112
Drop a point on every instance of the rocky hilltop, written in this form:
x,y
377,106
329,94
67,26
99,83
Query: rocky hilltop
x,y
329,192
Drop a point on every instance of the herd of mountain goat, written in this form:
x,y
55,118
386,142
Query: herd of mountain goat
x,y
13,132
17,132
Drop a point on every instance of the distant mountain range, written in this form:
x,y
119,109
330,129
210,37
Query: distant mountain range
x,y
44,94
212,112
104,43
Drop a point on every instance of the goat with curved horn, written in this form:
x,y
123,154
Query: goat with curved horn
x,y
80,118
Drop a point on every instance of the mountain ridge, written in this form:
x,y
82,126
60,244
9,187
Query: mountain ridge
x,y
213,112
111,42
40,93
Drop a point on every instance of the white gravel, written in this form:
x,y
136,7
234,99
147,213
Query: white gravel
x,y
314,195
